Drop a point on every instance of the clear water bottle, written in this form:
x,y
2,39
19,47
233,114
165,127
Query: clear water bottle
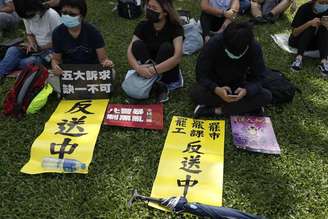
x,y
66,165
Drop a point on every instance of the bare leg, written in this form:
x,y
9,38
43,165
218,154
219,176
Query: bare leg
x,y
281,7
256,9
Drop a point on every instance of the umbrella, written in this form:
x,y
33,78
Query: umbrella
x,y
180,204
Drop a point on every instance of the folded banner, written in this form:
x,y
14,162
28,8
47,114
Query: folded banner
x,y
191,163
148,116
68,139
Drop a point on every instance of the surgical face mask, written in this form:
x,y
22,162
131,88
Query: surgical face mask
x,y
320,8
152,16
232,56
70,21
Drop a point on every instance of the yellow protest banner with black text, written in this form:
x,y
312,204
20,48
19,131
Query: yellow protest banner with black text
x,y
191,163
68,139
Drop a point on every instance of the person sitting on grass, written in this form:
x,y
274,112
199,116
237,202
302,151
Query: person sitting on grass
x,y
8,17
40,22
268,11
228,74
76,41
158,38
310,33
216,15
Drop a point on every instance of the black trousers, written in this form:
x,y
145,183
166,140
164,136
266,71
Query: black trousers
x,y
210,23
202,96
166,51
311,39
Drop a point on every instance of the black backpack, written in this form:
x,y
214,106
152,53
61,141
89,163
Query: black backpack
x,y
129,9
283,91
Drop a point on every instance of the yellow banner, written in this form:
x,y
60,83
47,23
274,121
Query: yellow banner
x,y
68,139
191,163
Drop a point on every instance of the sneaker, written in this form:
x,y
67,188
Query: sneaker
x,y
256,112
297,64
324,69
269,18
203,111
177,84
162,92
258,20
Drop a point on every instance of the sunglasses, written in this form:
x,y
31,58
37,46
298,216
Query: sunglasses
x,y
69,13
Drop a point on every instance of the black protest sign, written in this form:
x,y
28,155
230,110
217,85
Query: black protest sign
x,y
86,82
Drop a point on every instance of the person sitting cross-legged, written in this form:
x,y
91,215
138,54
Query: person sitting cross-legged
x,y
228,74
310,33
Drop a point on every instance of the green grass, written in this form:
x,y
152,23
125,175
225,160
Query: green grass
x,y
293,185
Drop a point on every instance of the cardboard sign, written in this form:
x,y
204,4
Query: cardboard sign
x,y
68,139
254,133
191,163
86,82
135,116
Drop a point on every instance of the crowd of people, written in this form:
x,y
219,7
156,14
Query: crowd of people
x,y
229,67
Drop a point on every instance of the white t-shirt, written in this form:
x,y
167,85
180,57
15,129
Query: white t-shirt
x,y
43,27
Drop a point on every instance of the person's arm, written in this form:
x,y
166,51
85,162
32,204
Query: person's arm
x,y
257,70
52,3
103,58
55,62
8,7
172,61
205,7
300,29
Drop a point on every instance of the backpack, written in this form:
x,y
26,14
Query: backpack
x,y
283,91
28,84
129,9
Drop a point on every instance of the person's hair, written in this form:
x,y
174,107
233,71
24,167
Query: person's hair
x,y
237,36
80,4
23,7
168,7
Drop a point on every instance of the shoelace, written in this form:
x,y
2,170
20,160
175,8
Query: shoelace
x,y
172,202
297,62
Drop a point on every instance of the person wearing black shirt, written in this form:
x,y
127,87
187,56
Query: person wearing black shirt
x,y
160,39
310,33
76,41
228,74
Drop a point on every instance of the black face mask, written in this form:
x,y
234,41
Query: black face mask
x,y
152,16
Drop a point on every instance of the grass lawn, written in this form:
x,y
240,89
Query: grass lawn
x,y
293,185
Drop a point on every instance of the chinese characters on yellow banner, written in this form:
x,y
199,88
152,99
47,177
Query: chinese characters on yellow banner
x,y
68,139
191,163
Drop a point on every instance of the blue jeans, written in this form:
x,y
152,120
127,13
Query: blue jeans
x,y
16,58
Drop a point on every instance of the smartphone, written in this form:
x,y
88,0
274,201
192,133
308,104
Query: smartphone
x,y
234,95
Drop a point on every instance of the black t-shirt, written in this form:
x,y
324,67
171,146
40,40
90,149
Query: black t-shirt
x,y
214,67
80,50
305,13
146,32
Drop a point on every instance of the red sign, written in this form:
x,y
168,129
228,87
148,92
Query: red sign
x,y
135,116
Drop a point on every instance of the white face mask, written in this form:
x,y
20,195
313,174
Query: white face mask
x,y
232,56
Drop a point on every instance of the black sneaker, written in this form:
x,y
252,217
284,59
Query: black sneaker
x,y
203,111
297,64
258,20
256,112
269,18
162,92
324,69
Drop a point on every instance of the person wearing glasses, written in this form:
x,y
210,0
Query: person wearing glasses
x,y
40,21
228,74
76,41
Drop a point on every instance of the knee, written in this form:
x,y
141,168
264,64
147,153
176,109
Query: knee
x,y
30,60
166,49
266,96
13,50
137,46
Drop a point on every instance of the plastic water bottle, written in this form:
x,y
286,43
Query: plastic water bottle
x,y
66,165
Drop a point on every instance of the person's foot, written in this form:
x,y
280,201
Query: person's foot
x,y
204,111
162,92
324,69
297,64
269,18
256,112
